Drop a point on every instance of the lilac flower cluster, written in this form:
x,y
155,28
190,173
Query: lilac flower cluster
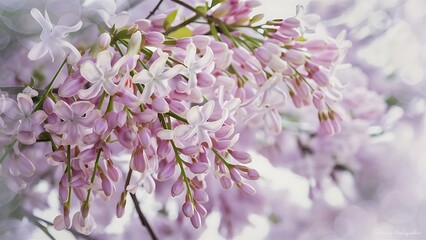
x,y
172,97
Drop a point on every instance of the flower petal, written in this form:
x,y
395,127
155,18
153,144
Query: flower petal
x,y
195,117
91,92
81,107
162,89
147,92
25,103
38,117
165,134
143,77
38,51
169,74
63,110
207,109
90,72
44,23
184,131
63,30
159,64
205,60
191,51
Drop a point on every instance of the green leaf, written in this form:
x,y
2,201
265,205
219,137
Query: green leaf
x,y
256,18
32,83
202,9
216,2
169,20
181,33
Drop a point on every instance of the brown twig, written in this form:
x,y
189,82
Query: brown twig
x,y
155,9
142,217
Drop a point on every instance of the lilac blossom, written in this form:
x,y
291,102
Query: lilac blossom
x,y
52,40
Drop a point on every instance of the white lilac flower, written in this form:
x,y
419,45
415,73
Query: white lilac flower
x,y
196,66
101,74
199,126
155,80
53,40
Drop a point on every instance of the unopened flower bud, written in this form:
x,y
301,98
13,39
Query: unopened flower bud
x,y
188,209
104,40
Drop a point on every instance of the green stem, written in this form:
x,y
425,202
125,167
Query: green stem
x,y
8,150
221,158
49,88
183,24
93,175
174,115
178,159
102,100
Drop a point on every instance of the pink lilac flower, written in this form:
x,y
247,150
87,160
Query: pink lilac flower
x,y
75,119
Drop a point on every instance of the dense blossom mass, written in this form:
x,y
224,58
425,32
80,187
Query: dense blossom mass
x,y
173,103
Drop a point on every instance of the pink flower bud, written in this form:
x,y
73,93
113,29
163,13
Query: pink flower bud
x,y
318,100
247,188
291,23
263,54
224,132
177,107
113,172
166,170
121,118
126,137
295,57
188,209
240,156
253,174
80,194
297,100
71,87
104,40
154,39
205,79
190,150
177,187
198,167
320,78
163,149
106,185
147,116
235,175
196,220
84,210
100,126
225,182
200,209
144,137
143,24
138,161
314,45
200,196
48,105
119,210
160,105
